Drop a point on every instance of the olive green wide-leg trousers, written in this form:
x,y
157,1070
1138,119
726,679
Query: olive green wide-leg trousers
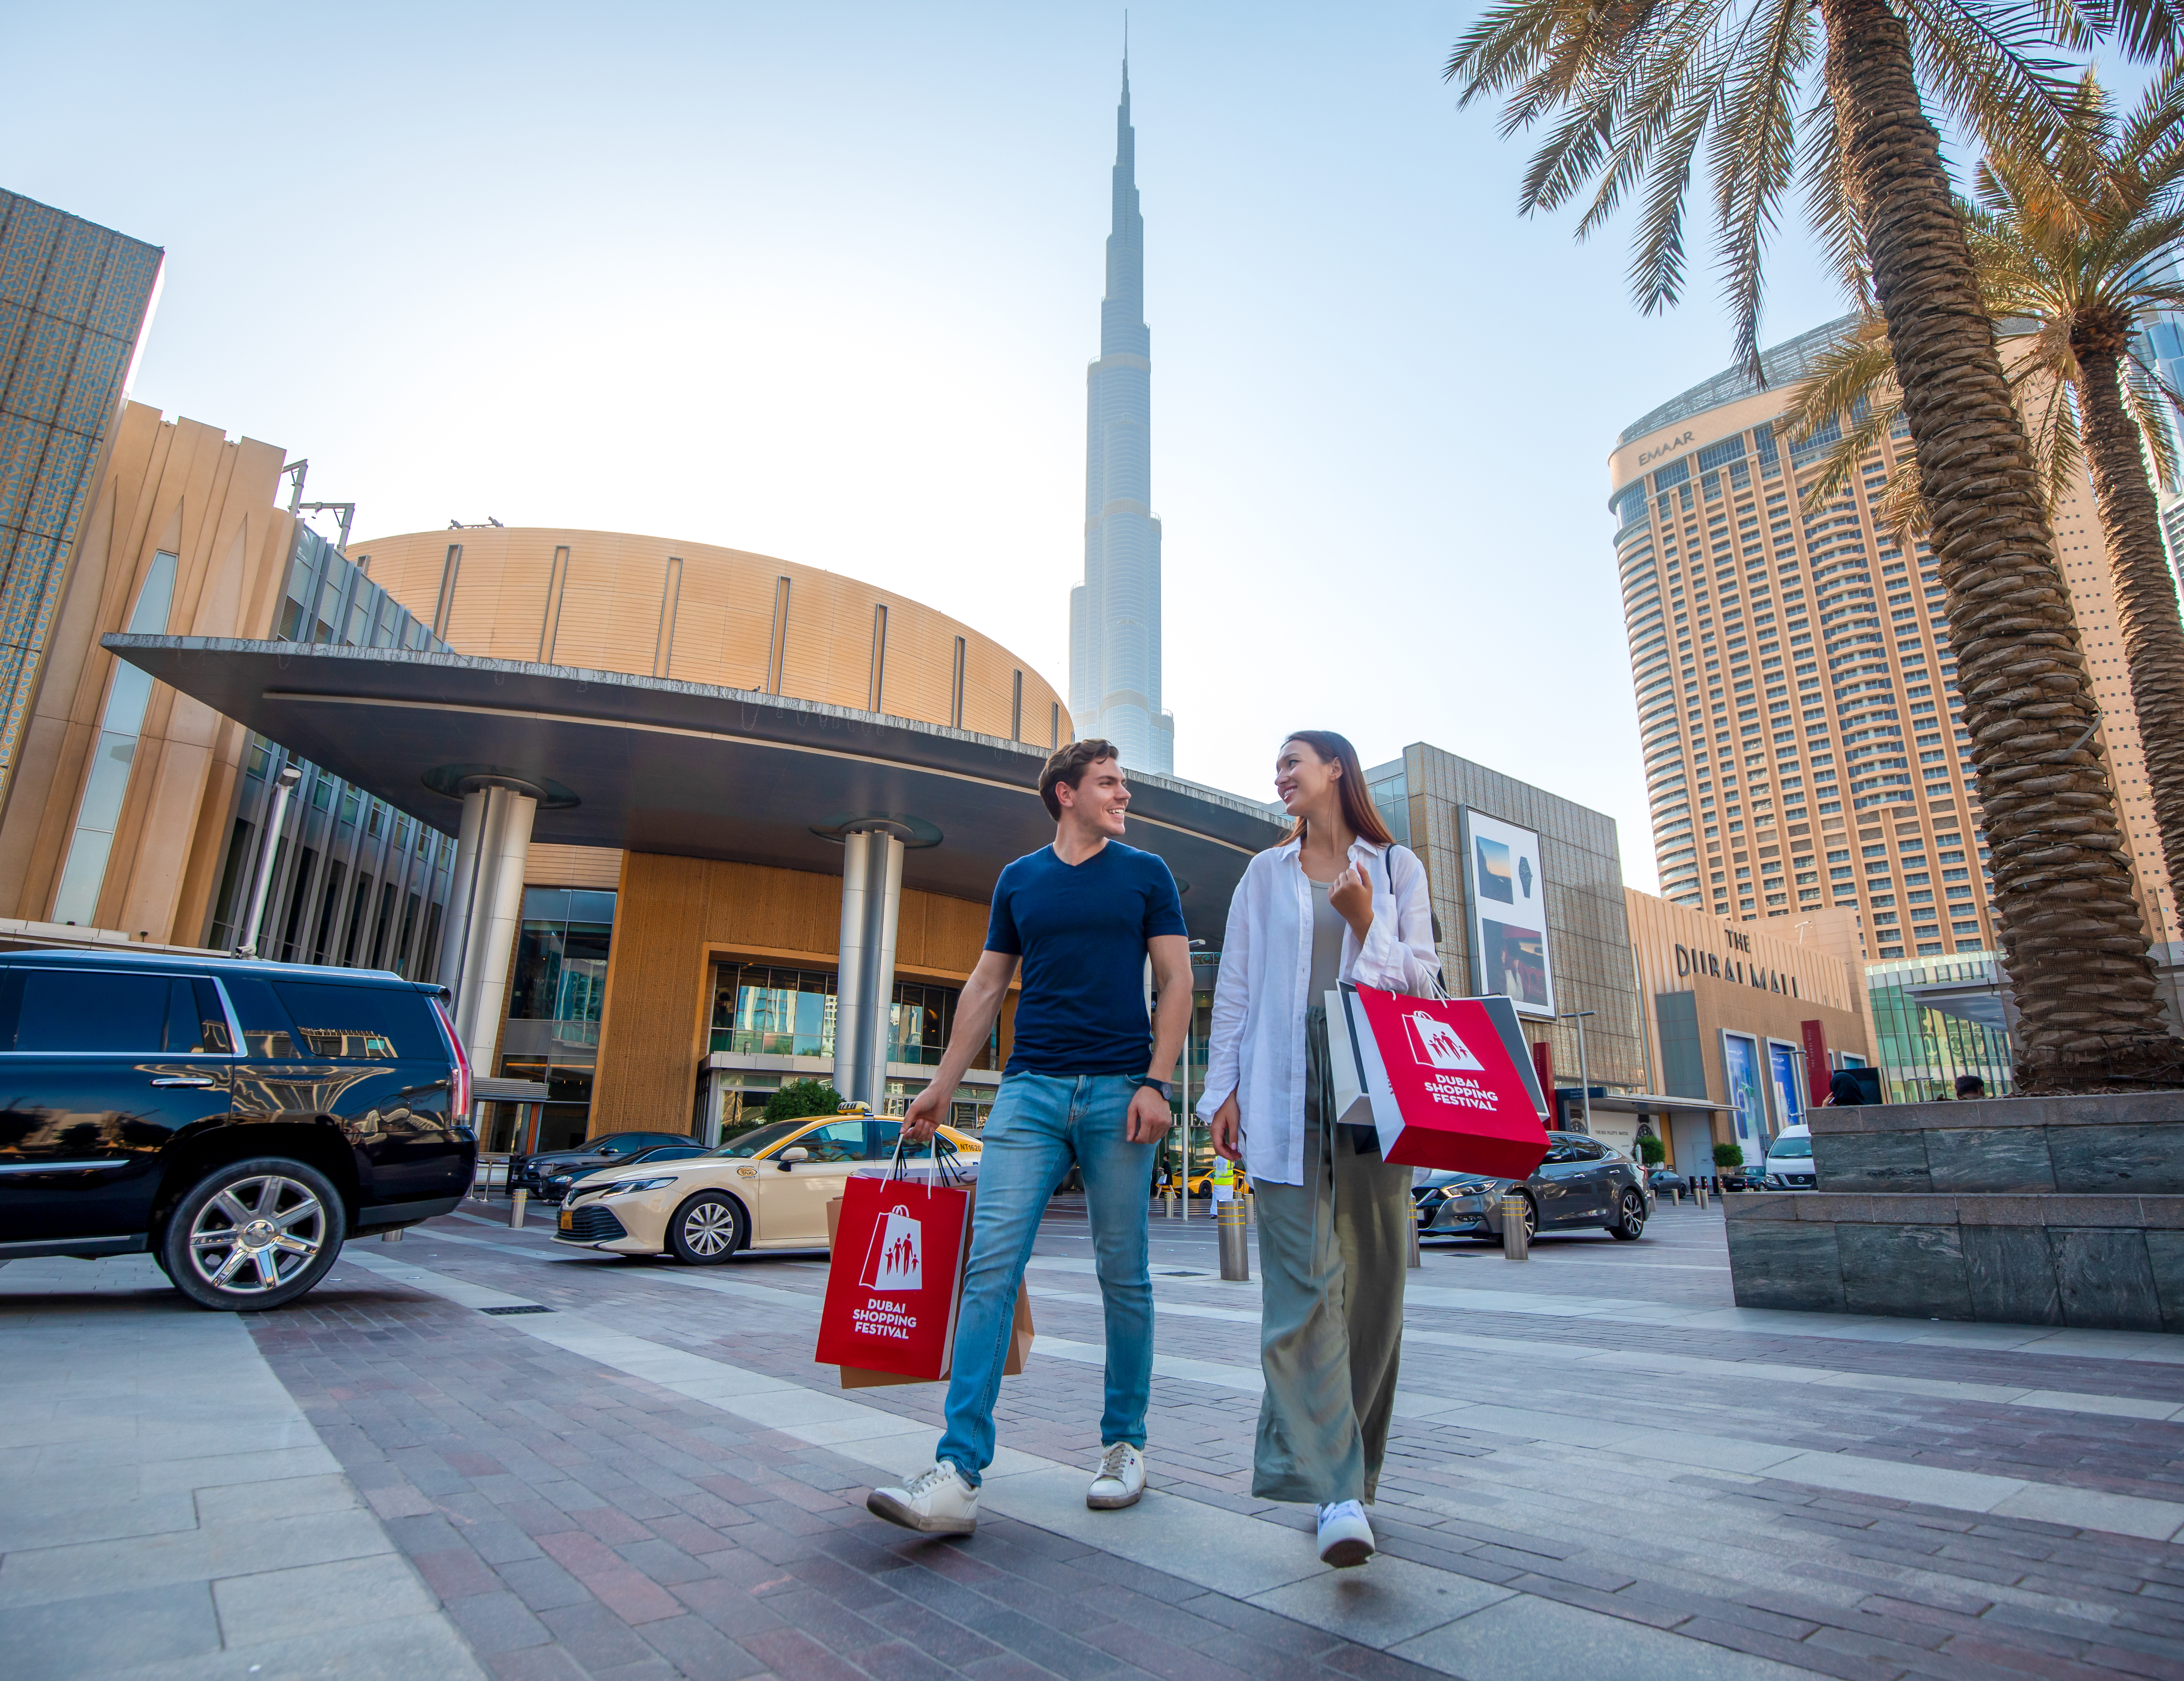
x,y
1333,1253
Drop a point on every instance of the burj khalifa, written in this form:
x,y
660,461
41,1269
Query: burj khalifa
x,y
1115,613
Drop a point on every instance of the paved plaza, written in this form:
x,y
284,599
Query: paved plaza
x,y
474,1453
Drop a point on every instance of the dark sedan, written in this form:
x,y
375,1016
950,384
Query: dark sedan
x,y
1581,1183
558,1182
530,1173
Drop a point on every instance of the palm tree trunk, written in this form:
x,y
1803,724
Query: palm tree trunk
x,y
2072,938
2145,592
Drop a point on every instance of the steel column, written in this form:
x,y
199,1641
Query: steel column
x,y
864,987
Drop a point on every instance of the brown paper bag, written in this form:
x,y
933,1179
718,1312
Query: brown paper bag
x,y
858,1377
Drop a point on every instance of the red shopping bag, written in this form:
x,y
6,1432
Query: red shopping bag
x,y
893,1280
1449,1085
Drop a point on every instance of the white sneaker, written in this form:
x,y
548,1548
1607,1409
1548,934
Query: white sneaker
x,y
1345,1538
1120,1479
934,1502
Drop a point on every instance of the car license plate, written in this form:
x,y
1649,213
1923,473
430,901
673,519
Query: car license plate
x,y
568,1220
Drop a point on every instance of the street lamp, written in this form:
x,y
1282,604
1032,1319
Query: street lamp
x,y
1584,1068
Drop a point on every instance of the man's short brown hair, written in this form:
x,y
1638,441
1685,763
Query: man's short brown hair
x,y
1068,764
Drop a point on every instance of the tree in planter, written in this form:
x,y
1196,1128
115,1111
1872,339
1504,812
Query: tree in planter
x,y
2070,281
1651,1150
799,1098
1828,91
1728,1158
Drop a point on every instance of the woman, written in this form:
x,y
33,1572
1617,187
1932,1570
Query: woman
x,y
1337,901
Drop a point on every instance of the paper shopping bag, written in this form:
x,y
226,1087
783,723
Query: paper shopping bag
x,y
894,1276
1446,1081
1020,1336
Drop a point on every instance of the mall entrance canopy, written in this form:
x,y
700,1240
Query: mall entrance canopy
x,y
506,752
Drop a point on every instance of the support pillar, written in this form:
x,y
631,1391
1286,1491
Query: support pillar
x,y
485,908
871,902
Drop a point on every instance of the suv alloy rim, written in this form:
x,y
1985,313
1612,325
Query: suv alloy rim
x,y
257,1234
709,1227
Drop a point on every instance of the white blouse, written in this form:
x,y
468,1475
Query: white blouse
x,y
1257,1050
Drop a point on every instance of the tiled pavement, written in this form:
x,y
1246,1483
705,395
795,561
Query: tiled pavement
x,y
1600,1465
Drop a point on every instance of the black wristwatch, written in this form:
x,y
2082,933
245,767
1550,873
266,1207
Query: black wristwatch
x,y
1165,1087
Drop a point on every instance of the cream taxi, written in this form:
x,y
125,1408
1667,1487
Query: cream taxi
x,y
767,1188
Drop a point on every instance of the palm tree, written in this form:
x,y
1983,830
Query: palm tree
x,y
2069,280
1638,86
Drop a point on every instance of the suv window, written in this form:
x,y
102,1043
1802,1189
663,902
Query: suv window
x,y
266,1030
58,1011
374,1024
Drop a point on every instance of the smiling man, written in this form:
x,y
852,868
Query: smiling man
x,y
1086,1082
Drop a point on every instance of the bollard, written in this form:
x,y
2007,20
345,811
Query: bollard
x,y
1516,1241
1235,1252
516,1202
1413,1260
394,1236
1679,1196
1699,1191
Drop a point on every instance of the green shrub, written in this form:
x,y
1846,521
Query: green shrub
x,y
800,1098
1651,1150
1729,1155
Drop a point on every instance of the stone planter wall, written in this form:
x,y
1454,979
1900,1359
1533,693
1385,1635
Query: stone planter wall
x,y
2031,1210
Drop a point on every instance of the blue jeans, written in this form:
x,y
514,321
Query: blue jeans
x,y
1040,1123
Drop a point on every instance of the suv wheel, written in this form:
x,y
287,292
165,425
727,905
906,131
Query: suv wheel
x,y
1630,1217
707,1230
253,1235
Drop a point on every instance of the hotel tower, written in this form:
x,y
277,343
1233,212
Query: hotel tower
x,y
1115,613
1797,705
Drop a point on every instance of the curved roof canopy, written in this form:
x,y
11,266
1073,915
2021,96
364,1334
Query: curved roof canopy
x,y
650,764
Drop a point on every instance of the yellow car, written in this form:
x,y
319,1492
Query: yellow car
x,y
767,1188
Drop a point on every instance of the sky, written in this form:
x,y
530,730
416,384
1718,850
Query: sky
x,y
822,280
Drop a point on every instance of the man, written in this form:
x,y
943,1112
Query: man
x,y
1082,1086
1969,1087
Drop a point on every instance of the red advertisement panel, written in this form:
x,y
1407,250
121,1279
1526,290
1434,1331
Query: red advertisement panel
x,y
1817,1071
894,1277
1464,1104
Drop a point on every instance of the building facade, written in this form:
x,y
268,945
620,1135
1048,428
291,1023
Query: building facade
x,y
1751,1020
1803,736
74,301
1115,613
135,811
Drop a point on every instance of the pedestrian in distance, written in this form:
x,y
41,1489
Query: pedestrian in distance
x,y
1970,1086
1337,901
1844,1091
1087,1083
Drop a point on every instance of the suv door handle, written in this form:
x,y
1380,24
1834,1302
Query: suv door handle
x,y
190,1080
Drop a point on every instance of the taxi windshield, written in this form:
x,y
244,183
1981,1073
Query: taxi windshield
x,y
761,1137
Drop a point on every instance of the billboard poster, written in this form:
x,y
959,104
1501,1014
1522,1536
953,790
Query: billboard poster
x,y
1789,1090
1739,1062
1505,896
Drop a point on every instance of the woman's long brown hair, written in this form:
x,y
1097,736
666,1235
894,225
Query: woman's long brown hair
x,y
1358,808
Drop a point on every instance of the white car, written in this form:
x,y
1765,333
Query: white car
x,y
1789,1164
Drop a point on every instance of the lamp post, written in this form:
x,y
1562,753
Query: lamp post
x,y
1584,1068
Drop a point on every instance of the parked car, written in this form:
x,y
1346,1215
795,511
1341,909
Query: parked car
x,y
530,1173
1581,1183
765,1189
239,1121
557,1182
1789,1163
1666,1181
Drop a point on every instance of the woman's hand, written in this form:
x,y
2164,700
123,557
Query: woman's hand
x,y
1228,1131
1351,896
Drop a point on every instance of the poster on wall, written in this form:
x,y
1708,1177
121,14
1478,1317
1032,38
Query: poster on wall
x,y
1789,1090
1739,1061
1507,899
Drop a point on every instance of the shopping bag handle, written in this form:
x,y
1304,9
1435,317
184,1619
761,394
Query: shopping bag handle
x,y
939,1165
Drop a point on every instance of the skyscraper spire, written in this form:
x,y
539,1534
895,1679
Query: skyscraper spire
x,y
1115,613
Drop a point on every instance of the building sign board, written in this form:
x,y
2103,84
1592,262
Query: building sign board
x,y
1504,896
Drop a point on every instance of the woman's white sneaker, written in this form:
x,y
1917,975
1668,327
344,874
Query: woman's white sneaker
x,y
935,1502
1345,1538
1120,1479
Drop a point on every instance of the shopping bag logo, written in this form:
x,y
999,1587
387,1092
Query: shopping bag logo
x,y
896,1260
1434,1043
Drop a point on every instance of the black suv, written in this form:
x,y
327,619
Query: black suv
x,y
532,1172
238,1120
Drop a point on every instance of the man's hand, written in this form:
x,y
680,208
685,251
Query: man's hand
x,y
1228,1131
924,1114
1149,1117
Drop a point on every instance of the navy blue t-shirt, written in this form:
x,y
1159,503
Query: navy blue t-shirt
x,y
1081,931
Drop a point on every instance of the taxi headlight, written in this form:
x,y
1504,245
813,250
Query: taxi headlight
x,y
621,1187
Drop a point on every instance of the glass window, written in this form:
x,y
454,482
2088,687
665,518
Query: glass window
x,y
836,1141
93,1010
561,961
376,1024
759,1138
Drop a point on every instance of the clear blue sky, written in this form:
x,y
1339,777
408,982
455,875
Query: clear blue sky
x,y
820,281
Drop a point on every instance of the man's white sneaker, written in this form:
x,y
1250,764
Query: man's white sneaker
x,y
1120,1479
1345,1538
934,1502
